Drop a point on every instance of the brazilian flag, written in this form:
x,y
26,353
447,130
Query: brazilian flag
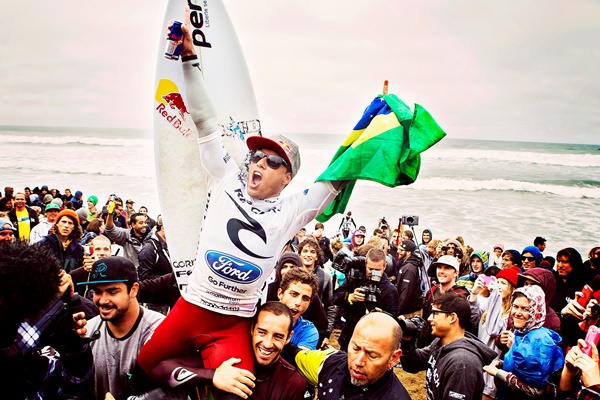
x,y
384,147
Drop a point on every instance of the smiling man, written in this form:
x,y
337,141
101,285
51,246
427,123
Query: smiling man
x,y
124,326
365,371
454,360
23,218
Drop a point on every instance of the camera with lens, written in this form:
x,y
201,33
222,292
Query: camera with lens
x,y
595,311
371,290
410,220
412,327
346,264
356,276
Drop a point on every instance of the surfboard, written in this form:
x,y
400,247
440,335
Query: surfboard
x,y
181,180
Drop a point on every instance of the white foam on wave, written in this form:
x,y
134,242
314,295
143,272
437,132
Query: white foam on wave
x,y
468,185
74,140
462,155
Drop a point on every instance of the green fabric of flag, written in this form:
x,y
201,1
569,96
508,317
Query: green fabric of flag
x,y
384,146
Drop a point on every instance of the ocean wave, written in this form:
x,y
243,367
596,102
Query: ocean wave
x,y
74,140
468,185
446,184
568,160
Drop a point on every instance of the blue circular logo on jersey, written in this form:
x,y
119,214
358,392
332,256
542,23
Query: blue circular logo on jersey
x,y
232,268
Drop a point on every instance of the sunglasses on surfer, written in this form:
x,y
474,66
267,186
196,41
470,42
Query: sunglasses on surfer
x,y
273,161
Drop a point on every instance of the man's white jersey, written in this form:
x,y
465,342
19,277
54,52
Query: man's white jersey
x,y
242,238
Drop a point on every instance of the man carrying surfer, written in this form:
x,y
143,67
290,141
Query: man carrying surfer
x,y
246,227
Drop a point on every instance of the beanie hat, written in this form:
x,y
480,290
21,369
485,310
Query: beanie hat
x,y
69,213
510,274
289,257
93,200
535,252
78,194
82,213
517,257
58,202
499,246
483,256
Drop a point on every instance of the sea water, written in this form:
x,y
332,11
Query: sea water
x,y
488,192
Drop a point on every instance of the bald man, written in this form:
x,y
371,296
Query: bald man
x,y
366,370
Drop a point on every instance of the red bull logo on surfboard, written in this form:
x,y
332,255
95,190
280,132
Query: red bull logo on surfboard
x,y
171,106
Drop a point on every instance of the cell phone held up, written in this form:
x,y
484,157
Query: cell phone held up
x,y
587,295
591,339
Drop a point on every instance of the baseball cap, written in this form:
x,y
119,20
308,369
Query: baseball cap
x,y
129,201
52,206
408,245
78,193
6,221
281,145
111,270
447,260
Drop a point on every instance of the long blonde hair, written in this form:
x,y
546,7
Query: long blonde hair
x,y
506,303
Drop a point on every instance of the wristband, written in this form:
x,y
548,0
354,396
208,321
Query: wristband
x,y
188,58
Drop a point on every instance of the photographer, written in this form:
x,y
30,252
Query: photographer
x,y
366,287
409,281
33,315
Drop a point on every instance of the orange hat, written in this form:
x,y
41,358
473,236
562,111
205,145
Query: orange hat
x,y
69,213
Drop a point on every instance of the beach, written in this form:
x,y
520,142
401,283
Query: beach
x,y
486,191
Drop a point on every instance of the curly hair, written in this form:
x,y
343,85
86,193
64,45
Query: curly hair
x,y
28,283
315,245
300,275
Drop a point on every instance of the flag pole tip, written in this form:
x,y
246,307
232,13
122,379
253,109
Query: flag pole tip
x,y
385,87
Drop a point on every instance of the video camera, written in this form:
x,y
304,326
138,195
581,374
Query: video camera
x,y
410,220
356,276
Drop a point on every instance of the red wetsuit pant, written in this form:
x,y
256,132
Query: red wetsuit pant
x,y
189,328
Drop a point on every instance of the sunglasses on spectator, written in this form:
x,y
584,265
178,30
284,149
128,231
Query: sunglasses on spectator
x,y
273,161
525,258
435,312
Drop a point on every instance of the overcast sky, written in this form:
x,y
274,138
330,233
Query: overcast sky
x,y
513,69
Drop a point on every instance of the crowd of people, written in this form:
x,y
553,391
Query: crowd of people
x,y
503,323
268,295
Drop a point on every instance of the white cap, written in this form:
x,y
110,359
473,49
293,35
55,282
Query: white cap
x,y
450,261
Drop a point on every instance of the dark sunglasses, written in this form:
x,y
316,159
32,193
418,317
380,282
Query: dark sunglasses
x,y
525,258
273,161
435,312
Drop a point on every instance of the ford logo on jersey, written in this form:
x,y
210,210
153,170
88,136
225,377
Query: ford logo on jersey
x,y
232,268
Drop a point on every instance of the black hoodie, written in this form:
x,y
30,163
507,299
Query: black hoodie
x,y
454,371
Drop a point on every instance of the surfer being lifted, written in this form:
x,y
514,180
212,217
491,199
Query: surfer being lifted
x,y
245,230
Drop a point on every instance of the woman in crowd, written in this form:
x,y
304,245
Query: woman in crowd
x,y
493,313
533,353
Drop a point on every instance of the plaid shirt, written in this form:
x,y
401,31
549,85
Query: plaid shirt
x,y
73,382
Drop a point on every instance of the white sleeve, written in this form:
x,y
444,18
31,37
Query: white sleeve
x,y
314,201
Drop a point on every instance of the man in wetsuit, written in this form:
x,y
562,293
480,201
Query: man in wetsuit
x,y
246,227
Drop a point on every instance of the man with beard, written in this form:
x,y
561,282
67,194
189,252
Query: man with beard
x,y
124,326
132,239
